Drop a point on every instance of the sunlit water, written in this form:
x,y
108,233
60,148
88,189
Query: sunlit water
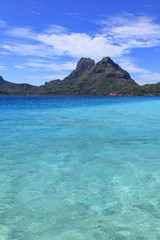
x,y
79,168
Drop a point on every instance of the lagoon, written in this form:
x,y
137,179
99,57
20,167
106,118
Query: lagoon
x,y
79,168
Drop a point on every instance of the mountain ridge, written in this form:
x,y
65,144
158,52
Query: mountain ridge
x,y
89,78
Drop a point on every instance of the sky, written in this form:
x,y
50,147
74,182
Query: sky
x,y
42,40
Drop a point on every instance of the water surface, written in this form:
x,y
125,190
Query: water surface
x,y
79,168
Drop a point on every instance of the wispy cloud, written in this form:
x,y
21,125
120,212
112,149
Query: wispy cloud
x,y
3,24
151,77
141,75
50,77
2,67
50,66
61,43
19,66
24,49
75,16
21,32
55,70
56,76
132,31
35,12
117,36
129,65
52,29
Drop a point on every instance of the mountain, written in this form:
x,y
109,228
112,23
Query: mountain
x,y
145,90
88,78
14,88
91,79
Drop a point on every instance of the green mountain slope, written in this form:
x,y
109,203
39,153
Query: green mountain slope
x,y
88,78
91,79
145,90
14,88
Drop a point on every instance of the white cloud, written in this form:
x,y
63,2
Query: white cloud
x,y
61,43
56,29
129,66
4,53
55,76
22,32
141,75
3,24
2,68
47,77
19,66
81,44
50,66
132,31
29,49
118,36
151,77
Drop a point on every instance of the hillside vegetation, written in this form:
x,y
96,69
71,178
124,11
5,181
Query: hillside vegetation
x,y
88,78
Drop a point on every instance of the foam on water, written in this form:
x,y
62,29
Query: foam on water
x,y
79,168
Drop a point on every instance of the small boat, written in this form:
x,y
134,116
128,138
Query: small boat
x,y
113,94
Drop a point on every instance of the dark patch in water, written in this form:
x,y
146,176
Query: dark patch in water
x,y
149,208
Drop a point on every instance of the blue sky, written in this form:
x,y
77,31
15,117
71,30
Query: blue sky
x,y
43,40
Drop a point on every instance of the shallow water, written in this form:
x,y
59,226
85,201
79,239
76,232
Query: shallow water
x,y
79,168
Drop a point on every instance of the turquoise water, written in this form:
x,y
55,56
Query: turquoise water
x,y
79,168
